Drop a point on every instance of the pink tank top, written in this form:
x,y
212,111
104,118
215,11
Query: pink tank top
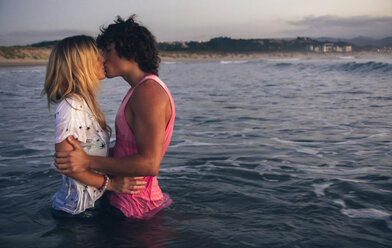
x,y
148,202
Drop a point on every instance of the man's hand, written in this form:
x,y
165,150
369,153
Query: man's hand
x,y
73,161
128,185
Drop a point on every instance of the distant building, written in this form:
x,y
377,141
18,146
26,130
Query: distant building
x,y
329,47
347,49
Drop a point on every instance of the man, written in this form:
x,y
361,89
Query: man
x,y
144,122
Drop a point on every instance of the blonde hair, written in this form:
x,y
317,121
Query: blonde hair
x,y
71,71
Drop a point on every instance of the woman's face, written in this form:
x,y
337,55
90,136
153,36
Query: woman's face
x,y
100,70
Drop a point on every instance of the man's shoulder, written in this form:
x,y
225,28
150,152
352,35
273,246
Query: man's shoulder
x,y
150,89
147,96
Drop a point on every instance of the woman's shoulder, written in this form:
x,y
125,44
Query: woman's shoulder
x,y
72,106
73,102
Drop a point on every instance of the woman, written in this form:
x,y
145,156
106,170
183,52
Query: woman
x,y
72,80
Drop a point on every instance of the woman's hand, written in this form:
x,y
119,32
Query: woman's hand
x,y
128,185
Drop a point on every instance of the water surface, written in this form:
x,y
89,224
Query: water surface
x,y
267,153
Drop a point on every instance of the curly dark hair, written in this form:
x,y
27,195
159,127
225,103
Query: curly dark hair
x,y
132,41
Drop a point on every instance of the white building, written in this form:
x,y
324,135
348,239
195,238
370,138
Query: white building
x,y
328,47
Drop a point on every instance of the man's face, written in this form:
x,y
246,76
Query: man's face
x,y
114,65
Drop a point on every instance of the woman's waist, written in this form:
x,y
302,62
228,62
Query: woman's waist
x,y
152,189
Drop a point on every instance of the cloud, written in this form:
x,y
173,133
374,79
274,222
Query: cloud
x,y
29,37
344,27
330,21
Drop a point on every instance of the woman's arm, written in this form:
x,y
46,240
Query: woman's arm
x,y
118,184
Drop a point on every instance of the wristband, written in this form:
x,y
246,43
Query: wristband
x,y
104,184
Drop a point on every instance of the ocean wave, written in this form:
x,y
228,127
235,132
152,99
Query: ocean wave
x,y
234,61
365,67
5,158
347,57
193,143
283,64
285,59
298,147
7,93
319,189
284,141
347,66
365,213
369,213
335,171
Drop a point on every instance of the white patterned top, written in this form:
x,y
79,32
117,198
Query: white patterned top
x,y
73,117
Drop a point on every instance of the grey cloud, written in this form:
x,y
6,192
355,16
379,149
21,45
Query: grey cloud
x,y
333,21
342,27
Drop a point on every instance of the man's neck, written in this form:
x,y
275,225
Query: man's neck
x,y
133,77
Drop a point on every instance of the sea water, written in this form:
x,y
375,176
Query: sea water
x,y
265,153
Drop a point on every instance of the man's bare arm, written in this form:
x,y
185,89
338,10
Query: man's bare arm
x,y
150,107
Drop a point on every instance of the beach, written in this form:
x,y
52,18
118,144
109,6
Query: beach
x,y
39,56
22,56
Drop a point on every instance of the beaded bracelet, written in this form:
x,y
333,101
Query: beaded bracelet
x,y
105,183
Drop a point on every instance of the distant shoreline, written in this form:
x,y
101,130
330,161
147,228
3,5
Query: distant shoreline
x,y
206,57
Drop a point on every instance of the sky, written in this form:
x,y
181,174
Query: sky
x,y
29,21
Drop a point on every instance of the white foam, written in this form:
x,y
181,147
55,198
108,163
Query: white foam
x,y
232,161
223,132
340,203
306,150
309,151
379,135
283,141
194,143
320,188
37,147
177,169
42,139
360,153
285,59
332,164
369,213
234,61
348,142
335,171
347,57
350,180
264,168
365,213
